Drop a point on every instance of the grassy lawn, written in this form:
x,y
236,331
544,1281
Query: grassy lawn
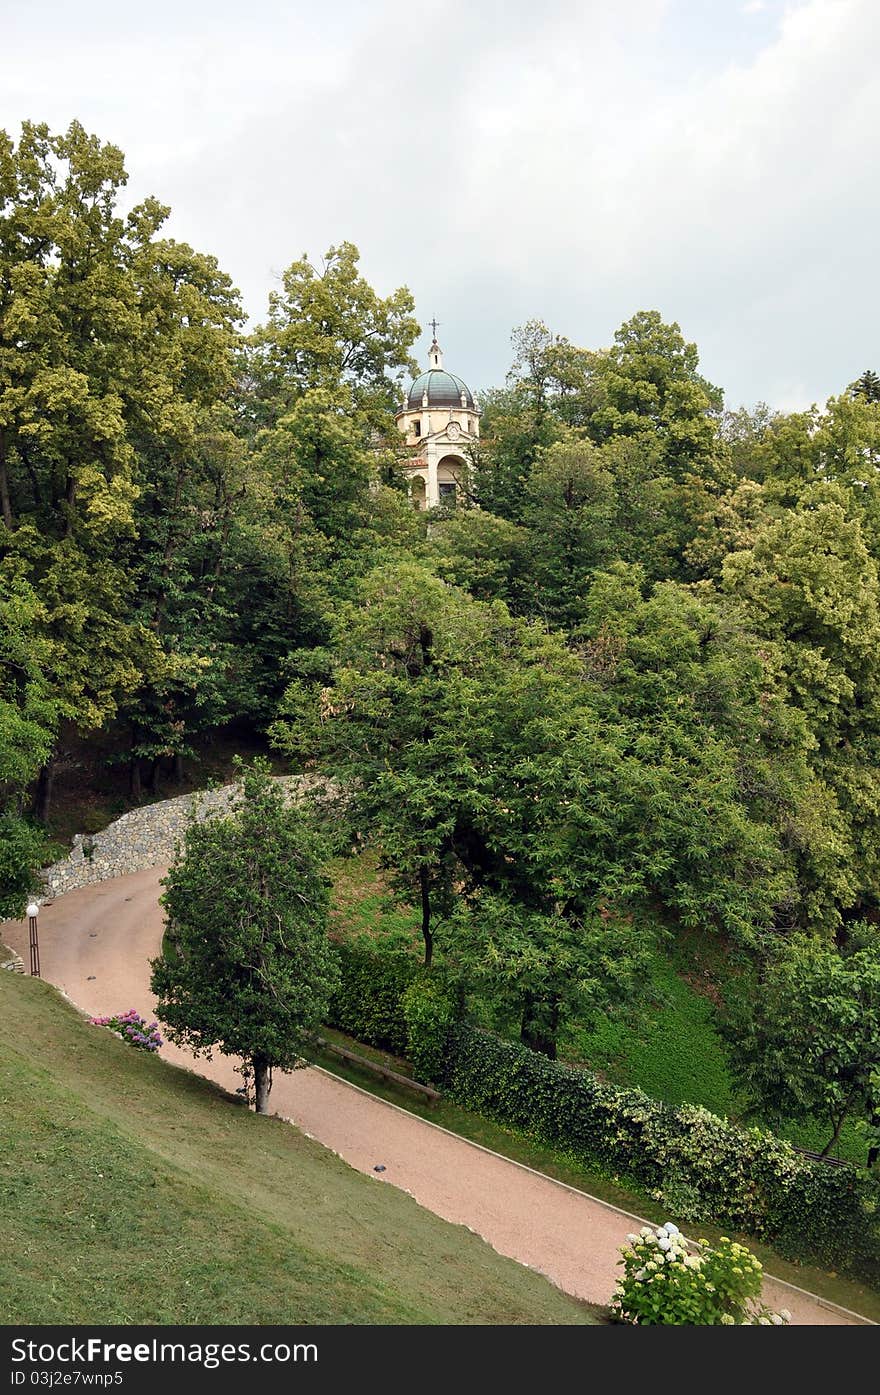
x,y
137,1193
361,905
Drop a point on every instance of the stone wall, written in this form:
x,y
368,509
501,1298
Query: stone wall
x,y
142,838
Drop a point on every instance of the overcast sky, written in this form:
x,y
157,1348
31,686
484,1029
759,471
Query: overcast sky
x,y
572,160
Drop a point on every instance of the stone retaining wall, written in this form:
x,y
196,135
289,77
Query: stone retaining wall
x,y
142,838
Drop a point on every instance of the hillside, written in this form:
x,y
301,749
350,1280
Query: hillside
x,y
134,1192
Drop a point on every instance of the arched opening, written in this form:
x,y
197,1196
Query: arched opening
x,y
450,479
417,491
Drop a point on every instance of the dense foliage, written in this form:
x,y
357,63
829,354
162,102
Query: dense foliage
x,y
631,684
805,1040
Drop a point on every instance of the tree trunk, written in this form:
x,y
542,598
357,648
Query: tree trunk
x,y
70,497
43,796
154,775
834,1137
5,501
539,1034
178,769
134,767
262,1084
426,916
134,777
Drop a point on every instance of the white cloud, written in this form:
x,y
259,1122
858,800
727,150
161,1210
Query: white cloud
x,y
578,164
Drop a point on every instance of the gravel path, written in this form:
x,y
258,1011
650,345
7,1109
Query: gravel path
x,y
95,944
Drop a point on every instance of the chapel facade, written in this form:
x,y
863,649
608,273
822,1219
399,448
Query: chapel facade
x,y
439,419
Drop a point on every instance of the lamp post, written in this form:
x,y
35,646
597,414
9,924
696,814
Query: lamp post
x,y
32,913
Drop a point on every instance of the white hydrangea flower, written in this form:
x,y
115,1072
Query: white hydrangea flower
x,y
785,1314
727,1320
664,1242
671,1228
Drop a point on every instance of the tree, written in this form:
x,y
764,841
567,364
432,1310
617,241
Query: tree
x,y
541,969
387,720
329,329
115,346
28,720
809,588
246,966
867,386
569,509
551,387
480,553
650,384
190,471
804,1034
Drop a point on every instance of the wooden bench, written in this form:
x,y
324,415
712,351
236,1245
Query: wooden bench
x,y
384,1072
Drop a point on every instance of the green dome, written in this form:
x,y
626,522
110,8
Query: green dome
x,y
443,389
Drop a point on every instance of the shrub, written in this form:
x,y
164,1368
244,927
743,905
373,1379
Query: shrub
x,y
367,1003
666,1282
386,998
133,1029
430,1005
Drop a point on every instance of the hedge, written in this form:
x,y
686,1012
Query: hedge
x,y
388,999
700,1166
367,1003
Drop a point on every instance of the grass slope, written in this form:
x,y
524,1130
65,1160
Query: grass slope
x,y
137,1193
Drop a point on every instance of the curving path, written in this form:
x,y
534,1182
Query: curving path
x,y
95,944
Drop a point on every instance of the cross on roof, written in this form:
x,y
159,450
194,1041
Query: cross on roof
x,y
434,323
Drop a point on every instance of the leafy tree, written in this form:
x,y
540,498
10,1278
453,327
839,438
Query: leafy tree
x,y
569,509
804,1034
480,553
550,387
413,658
650,384
867,386
68,330
115,346
808,587
28,720
247,966
329,330
544,968
559,379
189,468
675,779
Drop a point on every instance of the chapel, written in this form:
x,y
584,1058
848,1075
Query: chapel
x,y
438,420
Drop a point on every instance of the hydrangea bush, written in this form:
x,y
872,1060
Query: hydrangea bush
x,y
668,1281
132,1028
